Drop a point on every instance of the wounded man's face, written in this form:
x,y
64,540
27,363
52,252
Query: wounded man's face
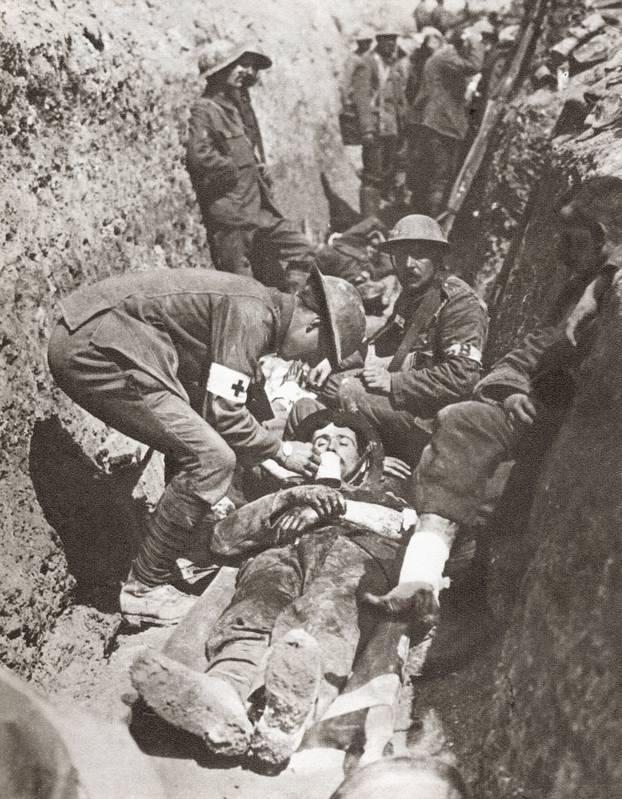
x,y
340,440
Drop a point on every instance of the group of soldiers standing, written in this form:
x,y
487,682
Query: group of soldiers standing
x,y
413,110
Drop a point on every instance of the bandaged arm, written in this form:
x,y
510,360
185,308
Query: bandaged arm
x,y
427,553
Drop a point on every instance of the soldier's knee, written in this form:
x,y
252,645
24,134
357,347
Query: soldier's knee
x,y
457,414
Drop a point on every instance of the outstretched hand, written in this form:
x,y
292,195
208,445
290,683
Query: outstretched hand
x,y
414,601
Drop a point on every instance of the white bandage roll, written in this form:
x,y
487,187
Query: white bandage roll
x,y
425,559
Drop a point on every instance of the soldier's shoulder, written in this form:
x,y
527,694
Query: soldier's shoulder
x,y
454,288
204,104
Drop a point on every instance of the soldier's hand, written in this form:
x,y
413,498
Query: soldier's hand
x,y
298,372
300,458
319,374
327,502
414,601
395,467
377,379
519,408
294,522
330,389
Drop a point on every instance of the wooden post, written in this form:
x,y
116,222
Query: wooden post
x,y
494,108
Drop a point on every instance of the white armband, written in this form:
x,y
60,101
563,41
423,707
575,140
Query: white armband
x,y
228,384
465,351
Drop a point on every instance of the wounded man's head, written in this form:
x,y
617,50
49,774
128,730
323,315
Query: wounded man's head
x,y
348,435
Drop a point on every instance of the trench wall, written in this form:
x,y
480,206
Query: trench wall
x,y
552,712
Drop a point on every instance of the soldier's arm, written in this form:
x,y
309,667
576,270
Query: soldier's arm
x,y
257,525
362,94
463,326
469,62
205,154
514,373
240,335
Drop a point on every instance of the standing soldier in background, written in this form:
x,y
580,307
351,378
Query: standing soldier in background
x,y
378,90
247,233
433,14
363,39
439,114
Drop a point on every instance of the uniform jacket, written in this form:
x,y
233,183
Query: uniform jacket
x,y
546,366
440,103
445,360
380,112
175,323
222,163
352,63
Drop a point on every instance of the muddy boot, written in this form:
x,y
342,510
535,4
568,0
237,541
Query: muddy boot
x,y
293,675
162,605
204,706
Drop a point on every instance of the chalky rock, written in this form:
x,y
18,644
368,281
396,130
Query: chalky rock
x,y
51,750
292,682
193,701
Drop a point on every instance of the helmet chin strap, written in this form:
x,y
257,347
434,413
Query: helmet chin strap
x,y
362,468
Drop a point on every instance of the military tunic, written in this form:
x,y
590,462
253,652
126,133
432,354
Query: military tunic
x,y
247,232
439,117
168,357
379,95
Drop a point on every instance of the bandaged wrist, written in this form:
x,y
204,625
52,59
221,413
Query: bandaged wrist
x,y
425,560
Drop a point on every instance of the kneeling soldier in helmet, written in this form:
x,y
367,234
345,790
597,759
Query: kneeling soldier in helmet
x,y
168,357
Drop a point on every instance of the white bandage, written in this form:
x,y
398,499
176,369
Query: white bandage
x,y
424,561
227,383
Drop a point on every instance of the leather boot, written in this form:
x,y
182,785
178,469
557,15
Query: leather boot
x,y
161,605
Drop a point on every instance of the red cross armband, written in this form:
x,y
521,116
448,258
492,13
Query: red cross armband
x,y
228,384
465,351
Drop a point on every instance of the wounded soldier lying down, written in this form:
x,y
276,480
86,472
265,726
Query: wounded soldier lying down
x,y
297,619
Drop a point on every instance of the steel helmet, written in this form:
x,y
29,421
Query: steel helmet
x,y
220,54
341,304
415,227
363,35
